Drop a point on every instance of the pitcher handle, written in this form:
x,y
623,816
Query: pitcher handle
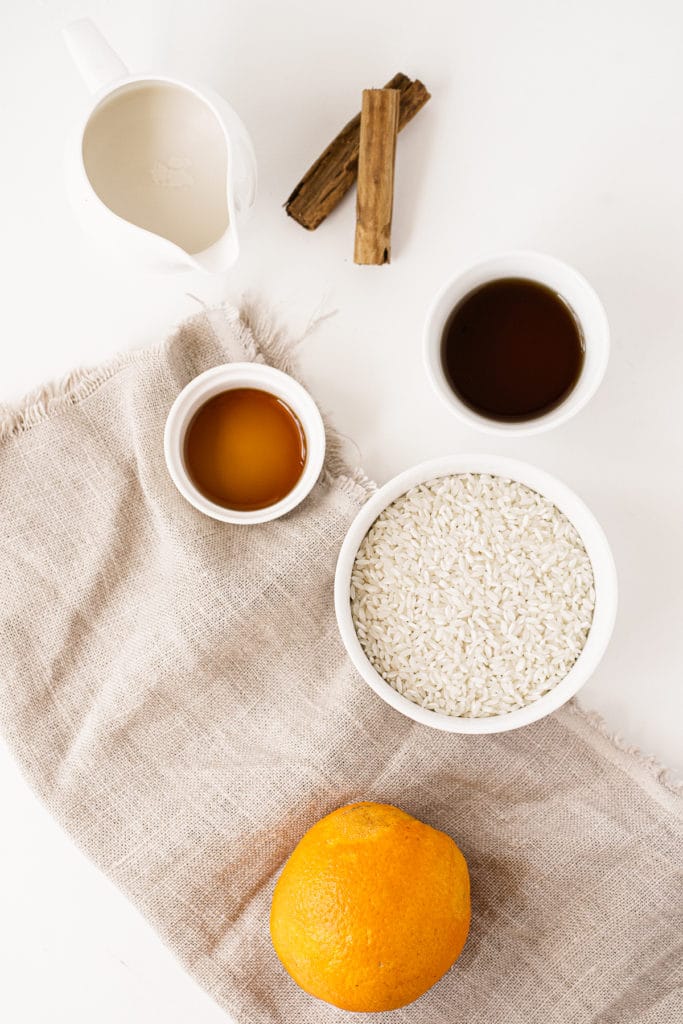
x,y
92,54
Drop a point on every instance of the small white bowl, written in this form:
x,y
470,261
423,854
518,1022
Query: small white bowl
x,y
591,534
225,378
576,292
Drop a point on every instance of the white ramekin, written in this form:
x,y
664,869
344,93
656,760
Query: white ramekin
x,y
596,545
243,375
576,292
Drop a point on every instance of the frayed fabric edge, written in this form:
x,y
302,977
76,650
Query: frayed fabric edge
x,y
261,340
666,777
50,399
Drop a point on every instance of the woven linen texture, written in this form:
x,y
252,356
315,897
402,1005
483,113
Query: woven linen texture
x,y
176,692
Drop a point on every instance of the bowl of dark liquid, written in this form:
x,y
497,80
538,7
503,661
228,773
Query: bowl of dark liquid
x,y
517,344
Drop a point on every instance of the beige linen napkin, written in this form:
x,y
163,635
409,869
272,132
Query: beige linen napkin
x,y
176,692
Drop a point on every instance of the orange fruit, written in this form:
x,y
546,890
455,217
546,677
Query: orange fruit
x,y
371,909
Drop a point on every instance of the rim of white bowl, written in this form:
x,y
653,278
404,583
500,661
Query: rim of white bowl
x,y
592,536
577,292
244,375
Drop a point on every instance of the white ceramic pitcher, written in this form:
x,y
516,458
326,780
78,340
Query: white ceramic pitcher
x,y
160,170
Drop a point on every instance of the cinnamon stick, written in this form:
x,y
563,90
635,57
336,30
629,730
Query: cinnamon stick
x,y
331,176
376,157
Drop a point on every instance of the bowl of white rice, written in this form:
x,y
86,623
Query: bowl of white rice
x,y
475,593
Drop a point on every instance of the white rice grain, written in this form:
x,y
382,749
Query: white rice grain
x,y
472,595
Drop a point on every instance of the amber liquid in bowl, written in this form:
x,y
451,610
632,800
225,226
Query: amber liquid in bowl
x,y
245,449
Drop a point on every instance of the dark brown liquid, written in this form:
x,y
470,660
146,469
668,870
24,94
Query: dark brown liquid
x,y
512,349
245,449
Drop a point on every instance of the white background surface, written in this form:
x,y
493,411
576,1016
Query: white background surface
x,y
554,125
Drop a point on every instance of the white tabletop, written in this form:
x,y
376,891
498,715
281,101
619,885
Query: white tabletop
x,y
553,126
